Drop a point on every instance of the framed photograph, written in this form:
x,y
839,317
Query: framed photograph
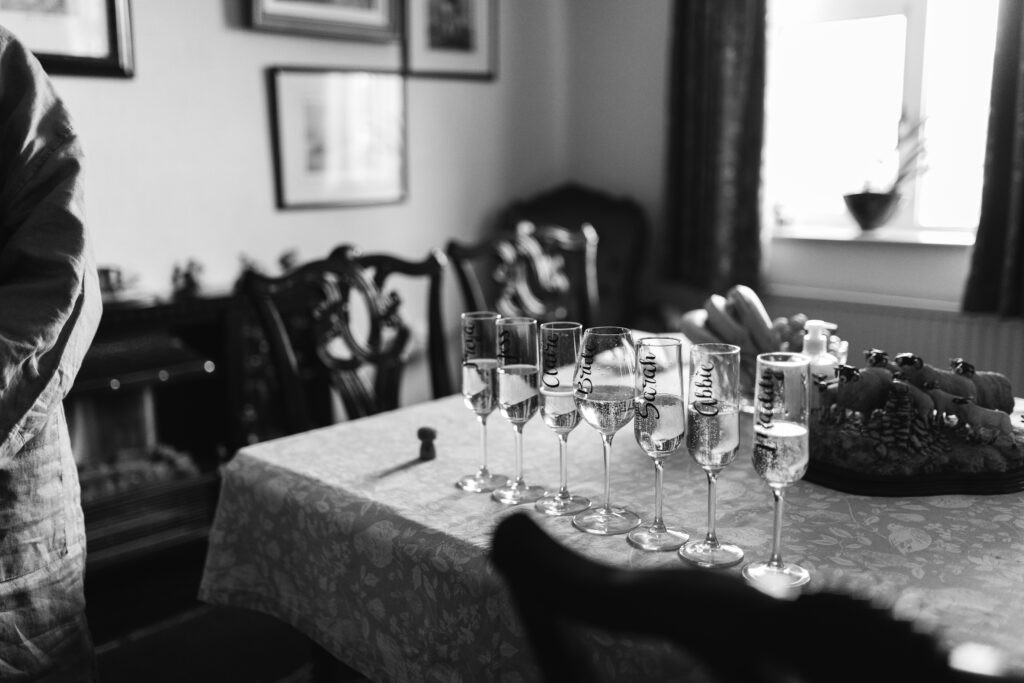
x,y
74,37
339,137
451,38
374,20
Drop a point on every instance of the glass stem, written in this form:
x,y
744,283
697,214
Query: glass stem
x,y
712,537
482,419
519,453
659,474
606,441
776,558
563,449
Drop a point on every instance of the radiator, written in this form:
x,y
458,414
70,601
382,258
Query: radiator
x,y
987,341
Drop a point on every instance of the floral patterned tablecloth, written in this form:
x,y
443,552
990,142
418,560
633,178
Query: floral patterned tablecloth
x,y
379,558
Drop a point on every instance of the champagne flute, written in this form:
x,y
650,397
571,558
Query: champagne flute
x,y
712,437
780,453
479,367
659,424
518,370
560,345
603,390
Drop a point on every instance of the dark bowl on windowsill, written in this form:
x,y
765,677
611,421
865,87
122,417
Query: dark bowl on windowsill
x,y
872,209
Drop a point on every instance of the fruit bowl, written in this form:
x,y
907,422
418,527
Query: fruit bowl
x,y
897,426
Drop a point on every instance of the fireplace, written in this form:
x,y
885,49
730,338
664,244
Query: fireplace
x,y
152,416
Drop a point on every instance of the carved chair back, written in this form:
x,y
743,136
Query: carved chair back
x,y
334,324
544,272
622,228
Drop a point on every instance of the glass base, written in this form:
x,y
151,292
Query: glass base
x,y
481,482
516,493
556,505
711,555
664,539
776,579
606,521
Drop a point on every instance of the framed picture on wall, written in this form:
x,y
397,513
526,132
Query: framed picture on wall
x,y
451,38
338,136
374,20
74,37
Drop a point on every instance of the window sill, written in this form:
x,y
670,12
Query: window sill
x,y
883,235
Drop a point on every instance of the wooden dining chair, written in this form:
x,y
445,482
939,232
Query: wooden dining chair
x,y
622,230
706,624
545,272
335,324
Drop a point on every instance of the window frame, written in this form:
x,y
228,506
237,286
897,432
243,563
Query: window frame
x,y
904,226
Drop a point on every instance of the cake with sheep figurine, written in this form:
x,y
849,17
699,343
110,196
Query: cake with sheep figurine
x,y
902,425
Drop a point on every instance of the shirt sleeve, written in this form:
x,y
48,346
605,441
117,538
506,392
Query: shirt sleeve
x,y
49,295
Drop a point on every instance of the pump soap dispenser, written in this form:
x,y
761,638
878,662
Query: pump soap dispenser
x,y
823,364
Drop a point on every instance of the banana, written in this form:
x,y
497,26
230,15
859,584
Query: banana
x,y
751,313
789,332
723,325
796,326
780,332
694,325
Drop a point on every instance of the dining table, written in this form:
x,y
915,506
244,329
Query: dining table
x,y
348,535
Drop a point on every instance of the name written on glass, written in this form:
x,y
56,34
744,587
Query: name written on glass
x,y
645,408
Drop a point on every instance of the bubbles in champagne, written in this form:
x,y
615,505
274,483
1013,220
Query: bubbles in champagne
x,y
607,408
517,392
478,378
558,409
659,425
780,452
713,439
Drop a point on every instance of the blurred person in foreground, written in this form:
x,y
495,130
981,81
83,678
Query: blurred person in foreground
x,y
49,309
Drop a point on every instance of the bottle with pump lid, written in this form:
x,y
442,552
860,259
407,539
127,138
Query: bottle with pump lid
x,y
823,364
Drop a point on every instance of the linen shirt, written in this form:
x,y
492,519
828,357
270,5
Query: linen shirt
x,y
49,311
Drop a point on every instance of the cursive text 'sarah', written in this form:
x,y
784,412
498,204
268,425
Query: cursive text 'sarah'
x,y
645,407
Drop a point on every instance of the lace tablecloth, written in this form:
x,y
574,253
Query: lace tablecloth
x,y
376,556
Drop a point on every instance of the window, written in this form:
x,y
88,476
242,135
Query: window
x,y
858,90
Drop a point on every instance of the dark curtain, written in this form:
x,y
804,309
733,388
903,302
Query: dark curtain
x,y
716,130
996,280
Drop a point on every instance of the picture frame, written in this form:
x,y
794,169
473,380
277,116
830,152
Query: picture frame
x,y
338,136
367,20
451,38
75,37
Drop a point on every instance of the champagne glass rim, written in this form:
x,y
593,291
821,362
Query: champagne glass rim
x,y
716,348
609,331
659,341
561,325
517,320
788,358
481,315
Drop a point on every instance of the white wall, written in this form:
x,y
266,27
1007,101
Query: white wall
x,y
618,97
179,161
